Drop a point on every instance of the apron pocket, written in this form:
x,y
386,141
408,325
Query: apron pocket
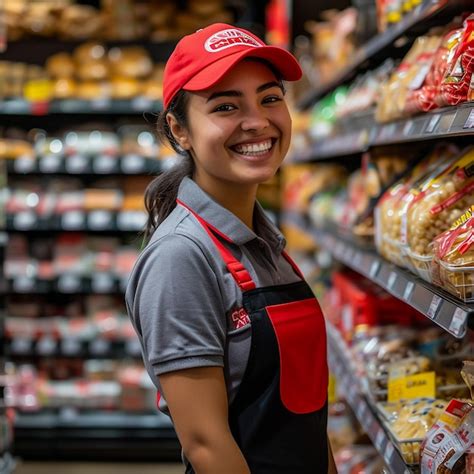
x,y
301,334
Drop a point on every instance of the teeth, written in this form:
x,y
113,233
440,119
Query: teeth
x,y
254,148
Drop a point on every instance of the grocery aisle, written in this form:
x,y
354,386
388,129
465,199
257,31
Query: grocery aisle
x,y
96,468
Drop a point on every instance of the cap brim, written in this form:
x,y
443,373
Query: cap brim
x,y
278,57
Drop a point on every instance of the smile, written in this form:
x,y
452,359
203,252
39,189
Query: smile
x,y
254,149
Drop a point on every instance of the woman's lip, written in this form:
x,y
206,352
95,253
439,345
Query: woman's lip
x,y
256,158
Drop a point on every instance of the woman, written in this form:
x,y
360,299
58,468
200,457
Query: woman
x,y
232,336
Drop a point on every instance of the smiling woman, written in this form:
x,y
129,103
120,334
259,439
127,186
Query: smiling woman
x,y
232,336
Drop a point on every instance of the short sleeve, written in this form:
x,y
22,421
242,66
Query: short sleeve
x,y
177,306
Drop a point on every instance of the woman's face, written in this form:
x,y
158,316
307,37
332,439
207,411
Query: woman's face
x,y
239,129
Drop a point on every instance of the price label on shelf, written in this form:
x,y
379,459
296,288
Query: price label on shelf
x,y
69,283
21,346
71,346
100,104
392,278
24,164
470,120
413,386
23,284
25,220
407,127
49,163
99,347
132,164
77,164
432,123
46,346
389,450
408,291
374,268
102,282
73,220
379,440
104,164
100,219
133,347
141,103
434,306
458,323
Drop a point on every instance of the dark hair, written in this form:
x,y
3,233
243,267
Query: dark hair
x,y
161,193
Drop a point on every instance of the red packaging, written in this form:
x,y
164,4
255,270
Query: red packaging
x,y
455,87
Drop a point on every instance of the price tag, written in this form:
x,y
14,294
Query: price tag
x,y
413,386
100,219
407,127
432,123
132,164
21,346
104,164
23,284
24,220
77,164
357,259
141,103
389,450
332,389
69,283
470,120
458,323
379,440
99,347
392,278
73,220
360,411
71,347
434,306
46,346
24,164
374,268
50,163
100,104
408,291
133,347
102,283
131,220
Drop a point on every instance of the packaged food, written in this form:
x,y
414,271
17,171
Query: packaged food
x,y
439,440
467,373
456,83
442,201
453,263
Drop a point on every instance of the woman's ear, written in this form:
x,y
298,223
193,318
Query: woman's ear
x,y
180,133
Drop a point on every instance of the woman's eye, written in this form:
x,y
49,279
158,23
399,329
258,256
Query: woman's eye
x,y
271,99
224,108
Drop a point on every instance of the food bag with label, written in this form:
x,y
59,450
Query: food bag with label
x,y
455,87
453,265
443,200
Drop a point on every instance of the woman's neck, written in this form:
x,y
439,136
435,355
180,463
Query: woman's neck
x,y
237,198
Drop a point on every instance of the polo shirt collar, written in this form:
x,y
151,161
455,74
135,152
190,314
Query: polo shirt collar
x,y
225,221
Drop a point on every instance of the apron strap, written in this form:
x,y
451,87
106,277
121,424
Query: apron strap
x,y
236,269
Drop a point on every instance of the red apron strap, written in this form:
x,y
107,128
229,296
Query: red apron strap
x,y
293,264
237,270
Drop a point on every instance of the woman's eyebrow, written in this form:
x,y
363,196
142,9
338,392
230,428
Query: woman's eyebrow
x,y
234,93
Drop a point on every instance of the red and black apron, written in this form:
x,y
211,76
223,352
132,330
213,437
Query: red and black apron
x,y
279,414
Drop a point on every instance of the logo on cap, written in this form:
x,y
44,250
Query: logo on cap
x,y
227,38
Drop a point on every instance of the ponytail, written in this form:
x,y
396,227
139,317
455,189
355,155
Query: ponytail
x,y
161,193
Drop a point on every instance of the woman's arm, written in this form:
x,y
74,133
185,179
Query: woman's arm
x,y
197,400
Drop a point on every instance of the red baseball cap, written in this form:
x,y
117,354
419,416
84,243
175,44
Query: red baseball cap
x,y
202,58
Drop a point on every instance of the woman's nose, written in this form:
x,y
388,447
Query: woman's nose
x,y
255,119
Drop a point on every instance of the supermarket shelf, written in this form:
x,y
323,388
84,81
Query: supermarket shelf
x,y
443,123
378,44
341,363
77,221
70,347
72,434
136,106
452,314
99,283
84,165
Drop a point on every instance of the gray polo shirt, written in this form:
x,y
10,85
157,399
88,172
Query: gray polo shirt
x,y
183,301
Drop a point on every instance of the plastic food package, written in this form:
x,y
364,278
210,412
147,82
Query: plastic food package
x,y
455,87
453,265
409,75
443,200
392,207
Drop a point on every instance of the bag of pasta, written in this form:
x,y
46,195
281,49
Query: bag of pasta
x,y
453,263
433,211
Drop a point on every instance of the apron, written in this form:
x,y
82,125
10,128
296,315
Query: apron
x,y
279,415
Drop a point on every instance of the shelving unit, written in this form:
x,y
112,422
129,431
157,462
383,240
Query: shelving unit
x,y
342,366
442,123
442,308
426,15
